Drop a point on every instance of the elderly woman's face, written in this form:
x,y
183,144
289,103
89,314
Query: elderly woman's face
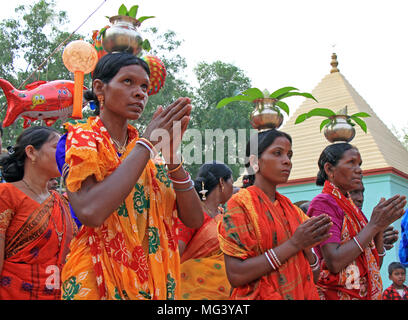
x,y
347,174
126,94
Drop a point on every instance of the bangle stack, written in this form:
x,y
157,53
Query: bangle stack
x,y
148,145
358,244
273,259
183,181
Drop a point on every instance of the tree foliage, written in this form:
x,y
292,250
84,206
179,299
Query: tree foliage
x,y
27,39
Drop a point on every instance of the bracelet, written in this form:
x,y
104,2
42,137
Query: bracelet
x,y
382,254
358,244
147,142
182,181
187,189
151,146
146,146
274,257
178,167
269,260
316,264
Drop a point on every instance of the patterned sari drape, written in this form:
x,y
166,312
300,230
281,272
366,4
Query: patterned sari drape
x,y
360,279
33,256
203,275
252,225
133,254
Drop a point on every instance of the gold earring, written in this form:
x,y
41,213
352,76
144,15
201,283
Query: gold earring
x,y
101,101
203,191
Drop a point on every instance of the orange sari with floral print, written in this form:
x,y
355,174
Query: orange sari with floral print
x,y
252,225
133,254
33,252
361,279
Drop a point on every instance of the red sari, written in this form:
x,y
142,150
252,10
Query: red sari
x,y
360,280
252,225
33,252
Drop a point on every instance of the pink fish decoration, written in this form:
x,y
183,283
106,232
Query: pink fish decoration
x,y
42,100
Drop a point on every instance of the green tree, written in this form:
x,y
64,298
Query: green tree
x,y
165,46
217,81
26,40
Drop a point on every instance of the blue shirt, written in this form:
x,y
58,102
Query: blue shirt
x,y
403,247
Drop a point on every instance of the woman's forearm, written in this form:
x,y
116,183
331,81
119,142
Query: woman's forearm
x,y
379,244
241,272
96,201
337,256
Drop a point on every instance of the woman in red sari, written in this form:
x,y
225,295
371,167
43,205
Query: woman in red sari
x,y
267,240
203,274
352,256
35,224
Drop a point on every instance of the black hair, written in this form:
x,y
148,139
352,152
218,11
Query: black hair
x,y
107,68
331,154
257,144
1,129
210,174
12,163
394,266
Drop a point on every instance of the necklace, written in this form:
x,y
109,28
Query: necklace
x,y
120,148
29,188
210,212
59,234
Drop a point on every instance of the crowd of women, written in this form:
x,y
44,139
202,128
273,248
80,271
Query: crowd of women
x,y
135,225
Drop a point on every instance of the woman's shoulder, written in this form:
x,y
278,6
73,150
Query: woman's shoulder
x,y
10,195
324,202
323,198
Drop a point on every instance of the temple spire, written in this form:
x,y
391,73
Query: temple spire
x,y
334,64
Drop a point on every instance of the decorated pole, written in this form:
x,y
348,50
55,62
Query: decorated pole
x,y
79,57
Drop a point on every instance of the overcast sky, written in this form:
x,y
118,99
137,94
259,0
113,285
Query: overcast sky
x,y
281,42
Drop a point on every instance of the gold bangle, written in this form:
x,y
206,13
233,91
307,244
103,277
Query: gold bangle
x,y
177,168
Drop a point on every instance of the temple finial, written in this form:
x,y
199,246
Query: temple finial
x,y
334,64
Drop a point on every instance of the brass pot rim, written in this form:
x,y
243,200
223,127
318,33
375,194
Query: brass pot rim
x,y
272,100
132,20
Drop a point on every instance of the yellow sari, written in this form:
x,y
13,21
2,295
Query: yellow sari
x,y
203,275
133,254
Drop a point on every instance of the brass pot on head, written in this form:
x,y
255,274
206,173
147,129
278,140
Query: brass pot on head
x,y
340,130
122,36
266,115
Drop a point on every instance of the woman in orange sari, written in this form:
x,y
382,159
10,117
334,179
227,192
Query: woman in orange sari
x,y
35,224
122,193
352,256
203,274
265,238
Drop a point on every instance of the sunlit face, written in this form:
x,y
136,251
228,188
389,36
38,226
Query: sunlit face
x,y
275,162
126,94
347,174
